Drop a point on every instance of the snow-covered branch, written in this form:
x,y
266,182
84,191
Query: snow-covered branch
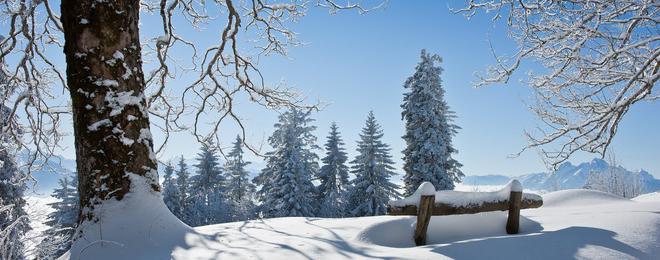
x,y
224,70
599,57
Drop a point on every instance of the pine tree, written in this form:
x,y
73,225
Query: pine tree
x,y
208,202
62,221
333,177
429,130
171,195
286,182
240,190
13,218
182,180
371,188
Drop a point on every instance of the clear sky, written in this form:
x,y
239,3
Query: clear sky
x,y
358,63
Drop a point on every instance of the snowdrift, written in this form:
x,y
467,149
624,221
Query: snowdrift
x,y
579,197
397,232
649,197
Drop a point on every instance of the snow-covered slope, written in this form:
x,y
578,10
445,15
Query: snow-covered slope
x,y
649,197
579,197
571,226
38,210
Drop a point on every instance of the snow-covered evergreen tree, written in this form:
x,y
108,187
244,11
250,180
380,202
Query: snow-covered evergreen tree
x,y
333,177
171,195
240,190
286,182
208,201
62,221
13,218
371,188
429,130
181,200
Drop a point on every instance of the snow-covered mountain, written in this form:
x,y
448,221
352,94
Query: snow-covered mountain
x,y
46,172
567,176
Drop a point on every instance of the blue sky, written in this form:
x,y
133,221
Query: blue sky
x,y
357,63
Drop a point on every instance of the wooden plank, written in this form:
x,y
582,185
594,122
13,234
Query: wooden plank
x,y
442,209
423,217
513,221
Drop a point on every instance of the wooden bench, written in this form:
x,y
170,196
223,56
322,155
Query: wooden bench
x,y
426,202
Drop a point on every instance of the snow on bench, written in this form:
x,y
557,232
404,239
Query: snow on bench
x,y
426,202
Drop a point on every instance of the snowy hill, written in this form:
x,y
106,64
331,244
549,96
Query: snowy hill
x,y
572,226
567,176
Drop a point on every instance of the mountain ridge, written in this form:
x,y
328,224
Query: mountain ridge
x,y
567,176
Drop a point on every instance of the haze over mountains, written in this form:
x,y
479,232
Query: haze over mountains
x,y
567,176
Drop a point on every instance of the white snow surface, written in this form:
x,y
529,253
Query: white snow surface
x,y
578,198
37,208
464,198
649,197
611,229
425,189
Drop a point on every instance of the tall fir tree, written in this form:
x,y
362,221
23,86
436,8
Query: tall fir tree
x,y
371,188
208,201
286,182
13,217
240,190
429,130
62,221
333,177
171,195
182,182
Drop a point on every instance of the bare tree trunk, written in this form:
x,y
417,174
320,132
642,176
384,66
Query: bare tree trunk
x,y
111,125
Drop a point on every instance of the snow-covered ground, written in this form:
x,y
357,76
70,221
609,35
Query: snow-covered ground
x,y
38,210
571,224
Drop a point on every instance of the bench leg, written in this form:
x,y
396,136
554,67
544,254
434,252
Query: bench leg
x,y
423,218
513,221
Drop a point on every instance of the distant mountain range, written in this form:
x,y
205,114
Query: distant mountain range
x,y
567,176
47,174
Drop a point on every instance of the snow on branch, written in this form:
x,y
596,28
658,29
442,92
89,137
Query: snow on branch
x,y
600,58
27,74
223,70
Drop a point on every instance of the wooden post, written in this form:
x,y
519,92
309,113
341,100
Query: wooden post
x,y
513,222
424,213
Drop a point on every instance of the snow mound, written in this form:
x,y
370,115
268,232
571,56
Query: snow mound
x,y
649,197
579,197
138,227
426,189
462,198
398,232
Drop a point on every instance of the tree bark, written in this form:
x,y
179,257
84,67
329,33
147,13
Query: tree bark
x,y
105,80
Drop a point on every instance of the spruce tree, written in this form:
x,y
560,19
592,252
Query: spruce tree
x,y
182,180
429,130
171,195
333,177
208,202
371,188
13,217
62,221
240,190
286,182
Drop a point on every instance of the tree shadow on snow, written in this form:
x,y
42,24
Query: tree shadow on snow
x,y
560,244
